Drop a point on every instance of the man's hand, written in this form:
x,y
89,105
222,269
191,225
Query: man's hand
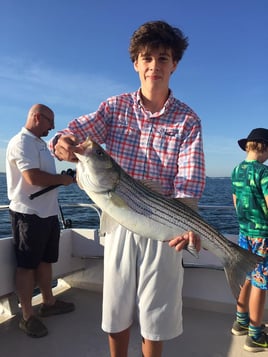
x,y
188,238
65,148
67,179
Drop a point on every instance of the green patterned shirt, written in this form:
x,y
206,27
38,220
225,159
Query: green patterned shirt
x,y
250,185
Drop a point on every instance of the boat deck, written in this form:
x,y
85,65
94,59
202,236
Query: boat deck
x,y
206,333
209,307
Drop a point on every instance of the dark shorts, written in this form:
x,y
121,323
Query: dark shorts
x,y
36,239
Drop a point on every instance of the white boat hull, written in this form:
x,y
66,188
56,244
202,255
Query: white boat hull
x,y
207,303
81,265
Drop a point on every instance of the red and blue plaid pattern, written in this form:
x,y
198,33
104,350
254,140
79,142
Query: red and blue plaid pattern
x,y
165,146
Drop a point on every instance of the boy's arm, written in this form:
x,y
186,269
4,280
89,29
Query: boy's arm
x,y
266,200
234,200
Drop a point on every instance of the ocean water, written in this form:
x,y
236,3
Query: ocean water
x,y
217,196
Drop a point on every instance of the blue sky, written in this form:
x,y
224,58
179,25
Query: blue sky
x,y
71,55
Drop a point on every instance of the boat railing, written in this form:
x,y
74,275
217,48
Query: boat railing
x,y
67,223
4,207
90,205
221,207
87,205
95,207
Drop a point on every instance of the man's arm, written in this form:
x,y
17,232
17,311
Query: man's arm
x,y
42,178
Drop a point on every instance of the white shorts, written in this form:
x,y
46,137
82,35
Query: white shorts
x,y
146,276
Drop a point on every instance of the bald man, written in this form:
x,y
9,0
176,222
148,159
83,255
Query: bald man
x,y
35,225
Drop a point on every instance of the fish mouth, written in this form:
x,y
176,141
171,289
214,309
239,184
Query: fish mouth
x,y
80,157
84,152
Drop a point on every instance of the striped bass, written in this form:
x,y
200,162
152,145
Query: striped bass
x,y
148,213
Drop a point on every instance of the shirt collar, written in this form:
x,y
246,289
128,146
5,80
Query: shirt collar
x,y
167,104
29,133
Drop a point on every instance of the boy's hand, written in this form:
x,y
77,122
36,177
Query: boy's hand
x,y
188,238
65,148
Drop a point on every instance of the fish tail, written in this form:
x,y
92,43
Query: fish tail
x,y
237,267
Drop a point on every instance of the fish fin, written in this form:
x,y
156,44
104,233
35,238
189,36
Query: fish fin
x,y
237,269
117,200
107,223
153,185
192,250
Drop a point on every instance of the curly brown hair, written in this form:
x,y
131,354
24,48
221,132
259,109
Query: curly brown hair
x,y
156,34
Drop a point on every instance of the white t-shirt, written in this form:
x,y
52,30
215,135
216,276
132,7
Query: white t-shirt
x,y
26,151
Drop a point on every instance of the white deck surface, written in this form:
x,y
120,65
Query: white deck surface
x,y
206,334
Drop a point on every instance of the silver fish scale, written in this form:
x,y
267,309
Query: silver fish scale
x,y
169,212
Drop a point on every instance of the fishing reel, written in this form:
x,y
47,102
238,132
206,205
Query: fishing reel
x,y
69,172
67,223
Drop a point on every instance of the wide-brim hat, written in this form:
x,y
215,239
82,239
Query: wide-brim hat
x,y
259,135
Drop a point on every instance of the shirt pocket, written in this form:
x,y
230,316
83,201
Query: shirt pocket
x,y
169,139
123,129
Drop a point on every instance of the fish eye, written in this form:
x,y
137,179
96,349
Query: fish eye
x,y
99,152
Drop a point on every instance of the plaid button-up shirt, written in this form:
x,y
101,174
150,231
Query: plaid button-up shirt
x,y
165,146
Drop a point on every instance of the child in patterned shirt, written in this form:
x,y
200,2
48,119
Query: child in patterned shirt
x,y
250,197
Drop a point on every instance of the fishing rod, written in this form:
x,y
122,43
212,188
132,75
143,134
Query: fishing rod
x,y
69,172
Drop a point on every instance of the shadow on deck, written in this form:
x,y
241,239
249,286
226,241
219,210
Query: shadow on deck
x,y
206,334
